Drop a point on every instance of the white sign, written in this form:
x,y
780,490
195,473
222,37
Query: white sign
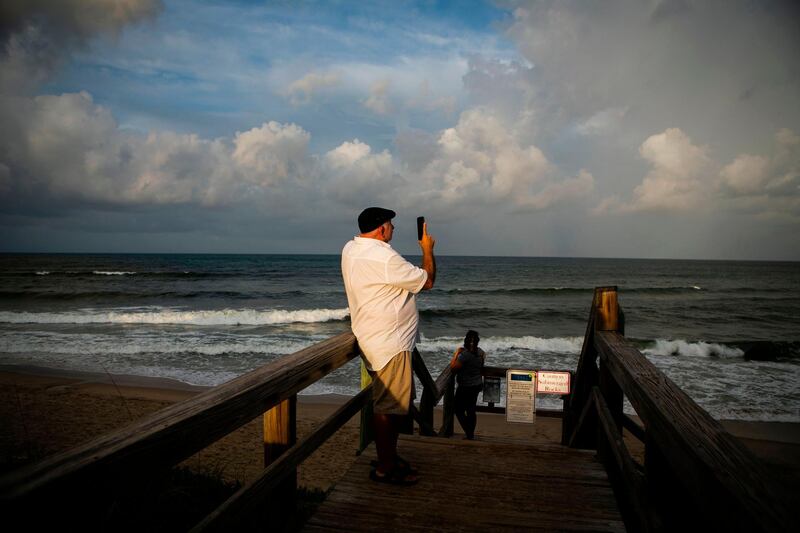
x,y
521,396
552,382
491,390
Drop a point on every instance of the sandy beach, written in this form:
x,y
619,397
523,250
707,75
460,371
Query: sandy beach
x,y
44,411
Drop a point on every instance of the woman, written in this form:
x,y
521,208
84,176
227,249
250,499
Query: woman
x,y
468,363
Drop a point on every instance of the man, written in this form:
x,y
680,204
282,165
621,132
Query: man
x,y
381,291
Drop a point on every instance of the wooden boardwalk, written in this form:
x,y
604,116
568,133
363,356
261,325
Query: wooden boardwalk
x,y
483,485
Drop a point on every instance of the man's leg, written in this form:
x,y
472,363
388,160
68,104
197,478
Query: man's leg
x,y
385,441
391,391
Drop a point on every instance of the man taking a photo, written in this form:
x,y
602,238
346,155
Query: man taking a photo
x,y
381,291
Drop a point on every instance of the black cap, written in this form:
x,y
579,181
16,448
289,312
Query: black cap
x,y
372,217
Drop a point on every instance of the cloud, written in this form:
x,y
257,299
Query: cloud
x,y
378,101
668,63
302,91
428,101
480,160
602,122
355,176
66,148
272,154
747,174
36,35
768,186
683,177
678,179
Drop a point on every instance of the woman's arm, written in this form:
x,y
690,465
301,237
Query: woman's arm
x,y
455,364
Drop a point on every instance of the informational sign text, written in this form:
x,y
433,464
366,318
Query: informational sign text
x,y
521,396
552,382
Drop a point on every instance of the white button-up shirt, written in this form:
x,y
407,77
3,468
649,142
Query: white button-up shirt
x,y
381,291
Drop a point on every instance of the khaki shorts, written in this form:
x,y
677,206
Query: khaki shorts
x,y
393,386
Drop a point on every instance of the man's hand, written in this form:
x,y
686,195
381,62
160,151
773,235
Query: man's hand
x,y
428,261
427,241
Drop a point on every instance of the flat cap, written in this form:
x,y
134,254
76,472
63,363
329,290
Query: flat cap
x,y
372,217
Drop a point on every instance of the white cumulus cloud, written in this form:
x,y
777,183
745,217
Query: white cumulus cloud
x,y
302,91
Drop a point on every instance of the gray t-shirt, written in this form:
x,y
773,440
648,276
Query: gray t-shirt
x,y
469,375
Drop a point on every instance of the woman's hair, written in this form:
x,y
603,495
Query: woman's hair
x,y
471,335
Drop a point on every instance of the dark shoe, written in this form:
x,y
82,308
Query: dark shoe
x,y
400,463
393,477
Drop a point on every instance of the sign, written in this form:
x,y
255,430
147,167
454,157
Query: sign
x,y
491,390
521,396
552,382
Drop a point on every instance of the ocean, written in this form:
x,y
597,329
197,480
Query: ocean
x,y
727,332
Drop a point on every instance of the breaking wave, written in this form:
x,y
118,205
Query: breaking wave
x,y
173,316
681,347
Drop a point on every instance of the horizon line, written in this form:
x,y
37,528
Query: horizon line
x,y
3,252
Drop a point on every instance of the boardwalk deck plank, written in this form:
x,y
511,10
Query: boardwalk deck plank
x,y
482,485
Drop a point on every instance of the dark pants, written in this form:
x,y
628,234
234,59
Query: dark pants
x,y
466,398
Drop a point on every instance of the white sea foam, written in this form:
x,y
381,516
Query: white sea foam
x,y
112,273
42,272
691,349
561,345
175,316
136,343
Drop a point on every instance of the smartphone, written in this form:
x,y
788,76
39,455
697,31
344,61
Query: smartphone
x,y
420,222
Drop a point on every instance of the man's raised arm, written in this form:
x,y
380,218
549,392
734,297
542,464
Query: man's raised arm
x,y
428,260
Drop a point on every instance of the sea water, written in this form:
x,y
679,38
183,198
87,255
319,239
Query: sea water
x,y
727,332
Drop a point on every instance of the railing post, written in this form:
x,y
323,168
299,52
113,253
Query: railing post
x,y
427,402
280,434
448,409
609,318
603,316
365,435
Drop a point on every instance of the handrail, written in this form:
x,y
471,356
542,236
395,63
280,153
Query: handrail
x,y
696,447
252,495
180,430
692,464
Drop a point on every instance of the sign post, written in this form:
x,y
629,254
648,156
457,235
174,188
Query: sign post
x,y
521,396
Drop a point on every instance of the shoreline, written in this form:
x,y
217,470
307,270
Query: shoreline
x,y
46,410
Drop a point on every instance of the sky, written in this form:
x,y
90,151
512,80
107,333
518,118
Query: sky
x,y
622,128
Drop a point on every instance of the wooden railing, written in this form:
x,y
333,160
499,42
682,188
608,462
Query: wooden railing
x,y
695,476
443,389
68,482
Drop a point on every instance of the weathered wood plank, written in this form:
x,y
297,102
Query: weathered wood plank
x,y
722,476
628,483
477,485
586,376
635,429
180,430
